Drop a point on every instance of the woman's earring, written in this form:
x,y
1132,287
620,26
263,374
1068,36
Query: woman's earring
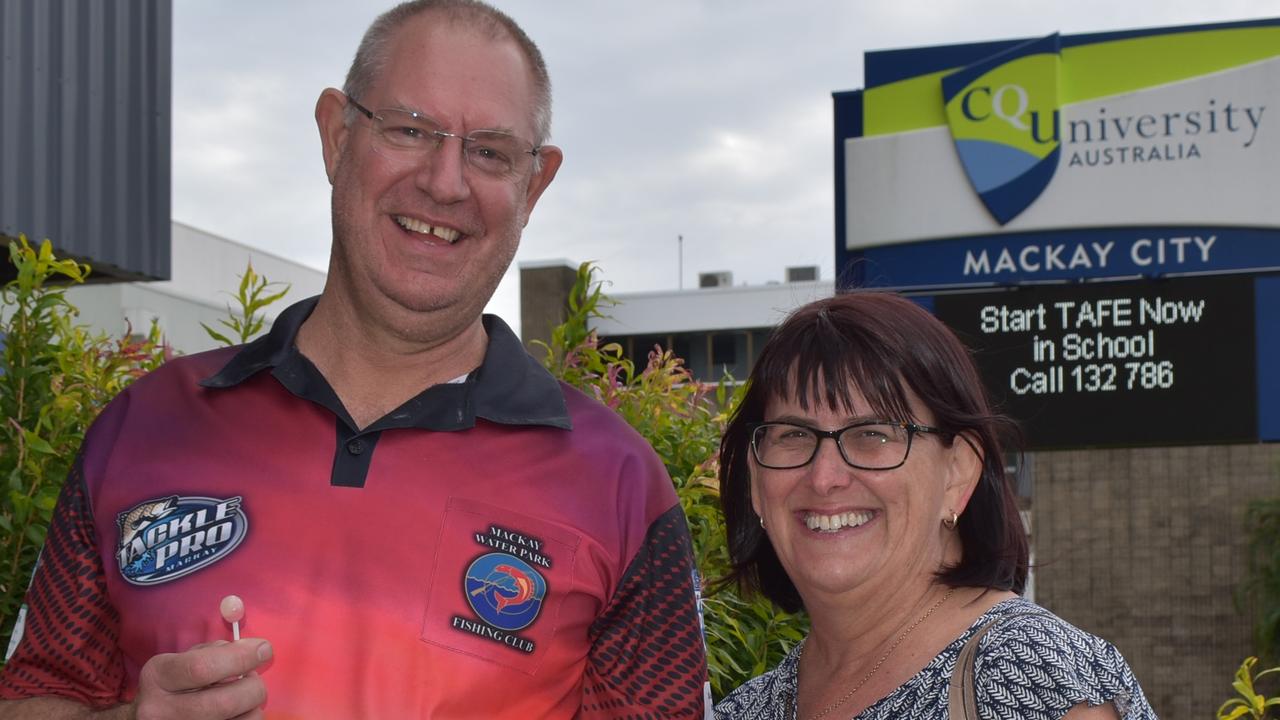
x,y
950,523
761,519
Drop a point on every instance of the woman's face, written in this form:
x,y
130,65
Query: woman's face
x,y
884,527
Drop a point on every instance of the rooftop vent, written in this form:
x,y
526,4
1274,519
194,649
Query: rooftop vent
x,y
806,273
715,279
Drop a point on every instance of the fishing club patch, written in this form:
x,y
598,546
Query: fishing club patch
x,y
504,588
166,538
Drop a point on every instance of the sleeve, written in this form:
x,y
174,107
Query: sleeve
x,y
647,658
1038,667
66,637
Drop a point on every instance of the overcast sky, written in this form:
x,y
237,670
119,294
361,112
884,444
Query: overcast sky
x,y
709,119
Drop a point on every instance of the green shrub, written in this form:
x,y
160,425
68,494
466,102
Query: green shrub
x,y
54,378
683,420
252,297
1262,585
1250,704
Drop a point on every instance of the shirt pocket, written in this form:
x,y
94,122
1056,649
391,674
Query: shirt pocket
x,y
499,580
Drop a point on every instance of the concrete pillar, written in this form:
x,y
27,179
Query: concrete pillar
x,y
544,299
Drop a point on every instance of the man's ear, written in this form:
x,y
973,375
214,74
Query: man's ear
x,y
334,131
551,157
964,471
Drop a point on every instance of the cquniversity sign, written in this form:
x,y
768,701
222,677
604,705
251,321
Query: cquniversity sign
x,y
1175,131
1003,115
1038,174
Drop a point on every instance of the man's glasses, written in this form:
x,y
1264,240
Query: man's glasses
x,y
405,135
870,445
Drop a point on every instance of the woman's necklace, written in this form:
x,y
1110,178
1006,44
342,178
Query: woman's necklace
x,y
827,710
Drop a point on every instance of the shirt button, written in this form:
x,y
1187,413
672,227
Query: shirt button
x,y
355,447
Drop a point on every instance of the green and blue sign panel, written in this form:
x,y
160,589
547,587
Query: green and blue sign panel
x,y
1003,115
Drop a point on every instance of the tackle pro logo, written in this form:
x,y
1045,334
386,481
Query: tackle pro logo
x,y
1003,114
504,590
165,538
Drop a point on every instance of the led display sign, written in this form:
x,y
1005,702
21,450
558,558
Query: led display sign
x,y
1117,364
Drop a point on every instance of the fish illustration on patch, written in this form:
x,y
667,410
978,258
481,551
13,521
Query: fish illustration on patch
x,y
133,522
524,587
504,591
136,520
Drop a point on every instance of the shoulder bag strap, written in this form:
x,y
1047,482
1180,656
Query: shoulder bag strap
x,y
961,704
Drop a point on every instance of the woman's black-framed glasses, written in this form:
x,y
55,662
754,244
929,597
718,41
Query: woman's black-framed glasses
x,y
867,445
402,134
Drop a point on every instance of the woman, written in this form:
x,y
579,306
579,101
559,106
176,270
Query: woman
x,y
900,538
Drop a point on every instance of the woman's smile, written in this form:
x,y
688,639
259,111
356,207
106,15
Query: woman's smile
x,y
834,522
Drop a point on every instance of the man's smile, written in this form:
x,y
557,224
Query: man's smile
x,y
448,234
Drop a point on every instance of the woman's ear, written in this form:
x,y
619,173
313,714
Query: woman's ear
x,y
754,486
964,471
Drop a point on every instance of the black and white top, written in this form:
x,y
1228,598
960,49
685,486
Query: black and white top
x,y
1030,667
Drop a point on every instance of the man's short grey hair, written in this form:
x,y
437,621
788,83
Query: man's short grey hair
x,y
371,57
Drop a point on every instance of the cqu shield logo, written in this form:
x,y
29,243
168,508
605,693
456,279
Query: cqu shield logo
x,y
1003,114
166,538
505,591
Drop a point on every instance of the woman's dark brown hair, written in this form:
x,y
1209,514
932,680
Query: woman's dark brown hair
x,y
881,345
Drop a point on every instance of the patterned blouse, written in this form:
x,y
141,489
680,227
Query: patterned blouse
x,y
1030,667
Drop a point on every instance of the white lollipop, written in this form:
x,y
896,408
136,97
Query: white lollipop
x,y
232,608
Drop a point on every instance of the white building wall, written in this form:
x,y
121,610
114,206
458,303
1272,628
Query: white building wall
x,y
708,309
206,273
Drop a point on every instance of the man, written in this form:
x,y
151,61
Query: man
x,y
420,521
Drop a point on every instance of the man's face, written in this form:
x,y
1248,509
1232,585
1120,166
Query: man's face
x,y
430,233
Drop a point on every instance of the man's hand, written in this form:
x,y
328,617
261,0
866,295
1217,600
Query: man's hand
x,y
216,681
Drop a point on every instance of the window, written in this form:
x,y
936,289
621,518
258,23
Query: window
x,y
724,349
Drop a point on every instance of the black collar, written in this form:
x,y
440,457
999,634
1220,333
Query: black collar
x,y
509,387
